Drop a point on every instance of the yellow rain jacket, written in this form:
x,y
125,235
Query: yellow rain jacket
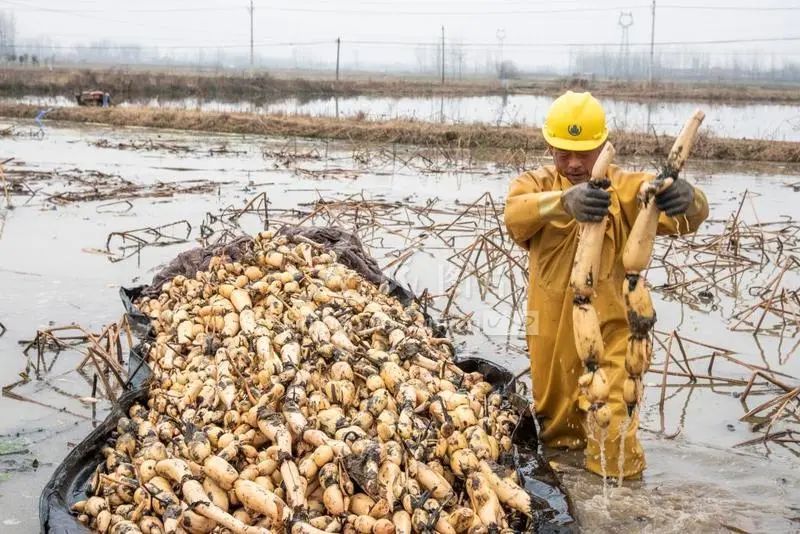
x,y
537,221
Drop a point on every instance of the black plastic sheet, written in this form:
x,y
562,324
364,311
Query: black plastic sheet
x,y
553,508
70,481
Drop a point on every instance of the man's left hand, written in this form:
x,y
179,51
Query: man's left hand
x,y
675,199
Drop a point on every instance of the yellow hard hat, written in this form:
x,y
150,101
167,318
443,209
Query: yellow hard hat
x,y
576,122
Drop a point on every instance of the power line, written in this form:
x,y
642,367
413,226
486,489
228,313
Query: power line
x,y
179,47
29,7
583,9
24,7
488,45
603,44
730,8
448,13
390,3
87,15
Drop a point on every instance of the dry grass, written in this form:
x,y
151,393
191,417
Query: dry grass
x,y
132,83
488,142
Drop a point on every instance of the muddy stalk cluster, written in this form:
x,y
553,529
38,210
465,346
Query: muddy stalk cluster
x,y
289,394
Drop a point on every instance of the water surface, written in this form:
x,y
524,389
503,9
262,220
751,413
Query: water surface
x,y
778,122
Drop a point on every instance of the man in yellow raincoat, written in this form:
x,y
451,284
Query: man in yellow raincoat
x,y
542,213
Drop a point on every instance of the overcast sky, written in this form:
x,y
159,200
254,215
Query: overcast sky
x,y
532,29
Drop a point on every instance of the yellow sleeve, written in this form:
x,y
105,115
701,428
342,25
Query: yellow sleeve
x,y
530,205
687,223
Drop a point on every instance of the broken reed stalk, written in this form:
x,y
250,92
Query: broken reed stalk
x,y
103,351
664,382
776,437
165,234
772,295
768,378
683,353
6,194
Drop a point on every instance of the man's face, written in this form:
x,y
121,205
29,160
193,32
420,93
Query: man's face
x,y
576,166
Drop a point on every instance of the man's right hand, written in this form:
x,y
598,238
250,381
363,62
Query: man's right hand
x,y
586,203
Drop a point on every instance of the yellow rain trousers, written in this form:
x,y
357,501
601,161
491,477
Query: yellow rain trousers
x,y
537,221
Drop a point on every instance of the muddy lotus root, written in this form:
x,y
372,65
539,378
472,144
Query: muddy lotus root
x,y
291,395
585,322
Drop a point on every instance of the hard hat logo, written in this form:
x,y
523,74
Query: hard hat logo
x,y
575,121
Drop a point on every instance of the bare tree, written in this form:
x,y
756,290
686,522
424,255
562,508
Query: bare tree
x,y
457,55
8,33
421,55
508,70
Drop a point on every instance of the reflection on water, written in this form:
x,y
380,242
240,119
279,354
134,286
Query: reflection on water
x,y
754,121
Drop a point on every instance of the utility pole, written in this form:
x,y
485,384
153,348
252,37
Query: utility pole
x,y
652,39
338,47
251,34
442,55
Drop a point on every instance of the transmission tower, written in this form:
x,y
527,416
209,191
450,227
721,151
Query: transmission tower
x,y
625,21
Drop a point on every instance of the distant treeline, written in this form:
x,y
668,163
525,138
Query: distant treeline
x,y
460,61
261,87
688,65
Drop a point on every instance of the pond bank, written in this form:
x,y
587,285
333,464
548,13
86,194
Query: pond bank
x,y
487,142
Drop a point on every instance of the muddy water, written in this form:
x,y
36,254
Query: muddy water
x,y
753,121
50,274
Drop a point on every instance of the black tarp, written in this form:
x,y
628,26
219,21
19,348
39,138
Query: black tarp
x,y
70,481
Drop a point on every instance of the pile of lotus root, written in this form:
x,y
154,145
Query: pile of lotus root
x,y
291,395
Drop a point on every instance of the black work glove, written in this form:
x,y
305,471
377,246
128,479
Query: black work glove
x,y
675,199
586,203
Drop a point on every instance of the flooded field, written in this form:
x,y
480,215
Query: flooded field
x,y
753,121
74,187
